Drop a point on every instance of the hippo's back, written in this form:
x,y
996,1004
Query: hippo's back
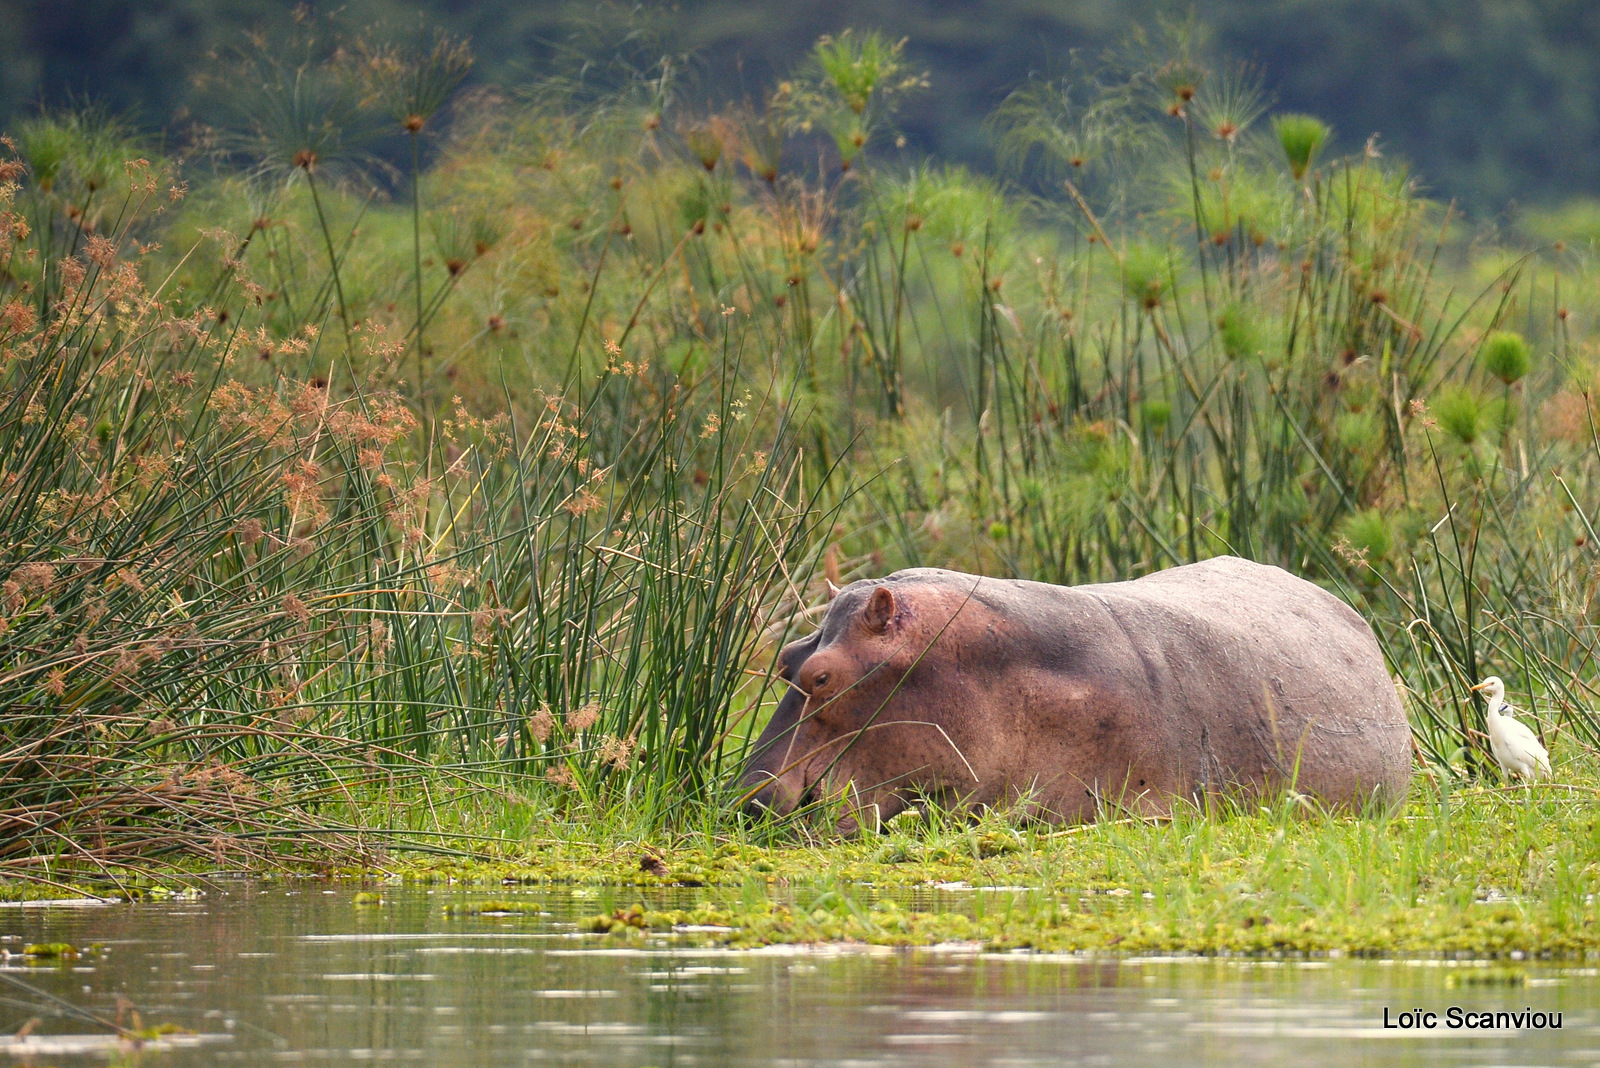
x,y
1278,671
1242,670
1255,603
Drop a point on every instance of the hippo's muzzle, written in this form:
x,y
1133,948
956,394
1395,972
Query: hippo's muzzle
x,y
767,794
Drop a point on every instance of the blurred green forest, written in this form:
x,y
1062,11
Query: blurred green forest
x,y
1494,102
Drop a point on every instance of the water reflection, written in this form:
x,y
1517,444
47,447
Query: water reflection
x,y
299,974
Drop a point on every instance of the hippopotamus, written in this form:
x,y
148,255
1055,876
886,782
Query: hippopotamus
x,y
1213,678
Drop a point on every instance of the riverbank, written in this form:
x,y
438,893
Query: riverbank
x,y
1476,871
1483,871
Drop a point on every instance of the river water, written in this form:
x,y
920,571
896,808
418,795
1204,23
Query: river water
x,y
297,973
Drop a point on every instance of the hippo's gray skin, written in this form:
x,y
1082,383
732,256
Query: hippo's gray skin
x,y
1219,676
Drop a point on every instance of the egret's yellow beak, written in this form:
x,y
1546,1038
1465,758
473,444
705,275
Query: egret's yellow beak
x,y
1480,686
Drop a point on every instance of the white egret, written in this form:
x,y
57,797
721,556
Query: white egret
x,y
1516,748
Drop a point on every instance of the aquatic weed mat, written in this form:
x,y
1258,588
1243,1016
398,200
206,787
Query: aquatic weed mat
x,y
301,968
1484,872
1477,871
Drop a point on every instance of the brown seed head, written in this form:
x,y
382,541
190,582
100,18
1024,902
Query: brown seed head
x,y
581,719
35,577
18,317
295,609
618,752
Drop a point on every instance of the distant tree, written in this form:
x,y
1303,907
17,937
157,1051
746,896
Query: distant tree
x,y
1492,100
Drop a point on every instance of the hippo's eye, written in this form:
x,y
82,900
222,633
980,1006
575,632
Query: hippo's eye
x,y
821,680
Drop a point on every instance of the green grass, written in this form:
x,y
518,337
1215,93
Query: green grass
x,y
1473,871
1482,871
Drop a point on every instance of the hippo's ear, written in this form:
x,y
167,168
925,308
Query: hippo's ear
x,y
880,609
833,591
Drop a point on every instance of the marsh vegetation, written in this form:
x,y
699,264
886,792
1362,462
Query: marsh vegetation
x,y
348,507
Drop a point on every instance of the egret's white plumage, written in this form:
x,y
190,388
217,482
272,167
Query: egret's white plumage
x,y
1516,748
